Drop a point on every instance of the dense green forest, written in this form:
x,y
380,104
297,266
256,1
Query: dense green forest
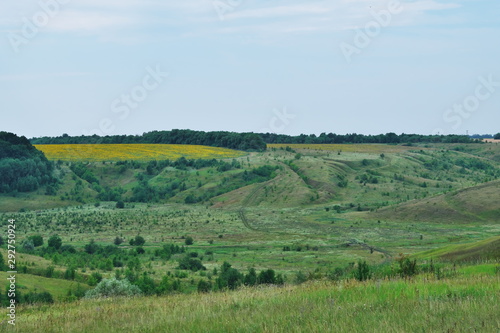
x,y
391,138
231,140
23,168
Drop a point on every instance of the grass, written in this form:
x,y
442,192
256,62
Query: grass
x,y
121,152
488,249
463,304
58,288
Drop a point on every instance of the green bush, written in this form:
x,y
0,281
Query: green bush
x,y
204,286
35,298
189,240
55,242
362,273
37,240
113,288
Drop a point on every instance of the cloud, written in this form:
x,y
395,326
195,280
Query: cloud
x,y
40,76
90,21
111,18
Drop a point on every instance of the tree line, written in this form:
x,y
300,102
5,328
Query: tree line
x,y
388,138
251,141
231,140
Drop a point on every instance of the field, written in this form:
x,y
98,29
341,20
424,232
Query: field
x,y
142,152
462,304
309,212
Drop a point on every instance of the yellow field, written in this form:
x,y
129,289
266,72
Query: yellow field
x,y
120,152
348,148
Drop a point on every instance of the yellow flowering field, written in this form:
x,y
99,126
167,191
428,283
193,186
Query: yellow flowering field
x,y
348,148
120,152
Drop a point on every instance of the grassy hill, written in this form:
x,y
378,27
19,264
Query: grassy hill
x,y
474,204
488,249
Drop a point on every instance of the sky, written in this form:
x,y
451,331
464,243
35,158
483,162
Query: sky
x,y
112,67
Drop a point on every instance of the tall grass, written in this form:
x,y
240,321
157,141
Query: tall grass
x,y
465,304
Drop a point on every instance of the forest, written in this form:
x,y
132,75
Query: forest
x,y
23,168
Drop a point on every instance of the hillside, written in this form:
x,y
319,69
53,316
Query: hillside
x,y
470,205
23,168
488,249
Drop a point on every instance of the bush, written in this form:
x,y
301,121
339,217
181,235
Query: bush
x,y
27,245
37,240
55,242
407,267
189,240
118,241
300,277
267,277
34,298
363,272
137,241
113,288
120,204
189,263
229,277
204,286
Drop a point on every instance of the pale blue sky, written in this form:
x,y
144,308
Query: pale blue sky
x,y
236,64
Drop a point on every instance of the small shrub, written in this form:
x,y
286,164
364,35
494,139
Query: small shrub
x,y
113,288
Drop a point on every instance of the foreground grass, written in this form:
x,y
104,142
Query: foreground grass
x,y
424,305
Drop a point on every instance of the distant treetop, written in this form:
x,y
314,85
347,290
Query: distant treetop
x,y
249,141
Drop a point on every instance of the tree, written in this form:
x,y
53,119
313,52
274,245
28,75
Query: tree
x,y
37,240
229,277
267,277
363,272
189,240
92,247
139,241
251,277
55,242
120,204
497,136
118,241
189,263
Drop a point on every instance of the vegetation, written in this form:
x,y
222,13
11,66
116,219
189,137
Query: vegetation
x,y
389,138
396,236
22,167
231,140
454,305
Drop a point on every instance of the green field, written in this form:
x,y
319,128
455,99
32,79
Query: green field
x,y
460,305
306,212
